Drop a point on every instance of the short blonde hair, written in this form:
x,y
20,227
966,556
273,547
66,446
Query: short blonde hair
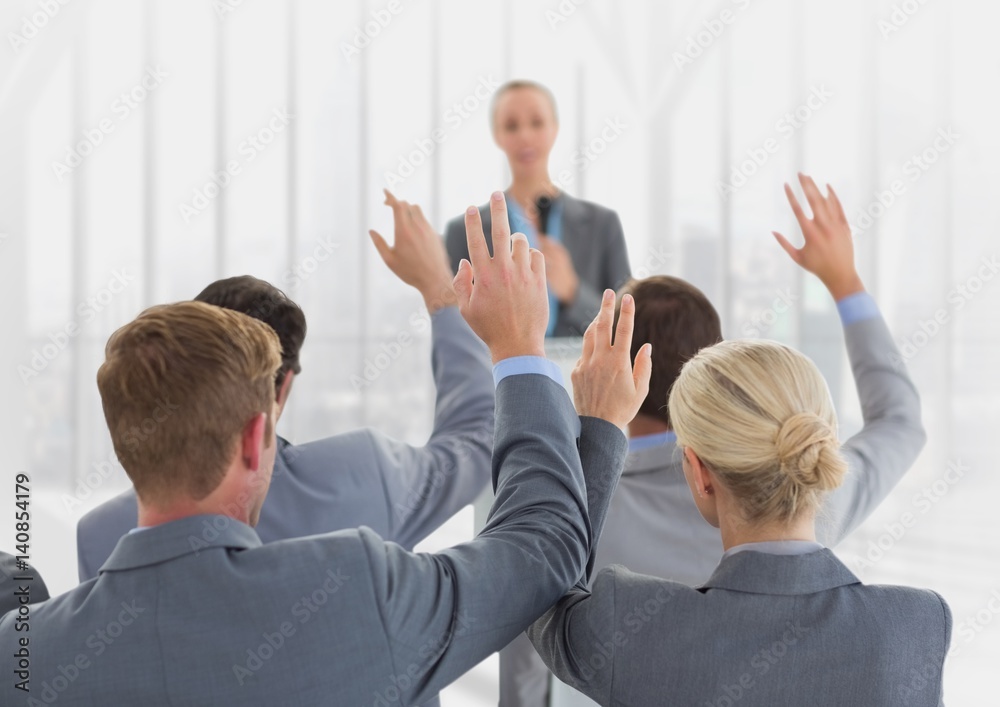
x,y
759,415
178,385
519,84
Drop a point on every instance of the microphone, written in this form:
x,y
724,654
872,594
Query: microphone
x,y
544,206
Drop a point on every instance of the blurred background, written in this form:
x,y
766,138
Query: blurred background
x,y
149,147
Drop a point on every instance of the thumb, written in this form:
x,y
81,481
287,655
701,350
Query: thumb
x,y
792,251
463,284
381,246
641,371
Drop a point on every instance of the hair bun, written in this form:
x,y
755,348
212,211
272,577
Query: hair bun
x,y
809,452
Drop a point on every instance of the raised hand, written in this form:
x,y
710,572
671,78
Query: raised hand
x,y
418,255
828,252
503,298
605,383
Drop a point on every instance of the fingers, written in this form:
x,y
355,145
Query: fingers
x,y
519,250
463,284
626,323
479,254
642,370
390,198
380,245
501,226
836,206
800,215
604,323
816,201
792,251
589,339
537,262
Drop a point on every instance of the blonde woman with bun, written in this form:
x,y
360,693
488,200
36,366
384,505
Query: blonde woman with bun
x,y
781,621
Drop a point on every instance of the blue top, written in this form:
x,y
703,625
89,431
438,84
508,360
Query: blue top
x,y
520,223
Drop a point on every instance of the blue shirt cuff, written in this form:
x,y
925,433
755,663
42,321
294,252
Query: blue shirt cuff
x,y
857,308
519,365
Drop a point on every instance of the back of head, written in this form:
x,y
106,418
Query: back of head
x,y
178,385
678,320
759,415
262,300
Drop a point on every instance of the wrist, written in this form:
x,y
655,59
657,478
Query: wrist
x,y
513,350
439,296
845,287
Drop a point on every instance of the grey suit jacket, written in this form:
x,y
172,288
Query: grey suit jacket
x,y
764,630
199,612
593,236
653,526
363,477
19,586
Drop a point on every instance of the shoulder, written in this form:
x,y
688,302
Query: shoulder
x,y
590,210
630,587
122,509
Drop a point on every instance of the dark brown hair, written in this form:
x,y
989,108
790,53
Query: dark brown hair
x,y
678,320
262,300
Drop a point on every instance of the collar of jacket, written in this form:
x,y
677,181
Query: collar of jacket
x,y
663,457
786,575
180,537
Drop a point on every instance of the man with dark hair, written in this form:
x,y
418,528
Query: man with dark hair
x,y
362,477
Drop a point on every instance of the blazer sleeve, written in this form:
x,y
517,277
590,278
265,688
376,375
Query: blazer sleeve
x,y
576,638
892,436
424,486
616,271
443,613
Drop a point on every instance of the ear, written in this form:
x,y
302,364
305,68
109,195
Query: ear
x,y
699,474
253,440
283,392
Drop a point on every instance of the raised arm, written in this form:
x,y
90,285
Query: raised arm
x,y
892,437
444,613
426,485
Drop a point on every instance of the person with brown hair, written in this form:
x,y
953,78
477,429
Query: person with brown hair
x,y
193,609
750,432
361,477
